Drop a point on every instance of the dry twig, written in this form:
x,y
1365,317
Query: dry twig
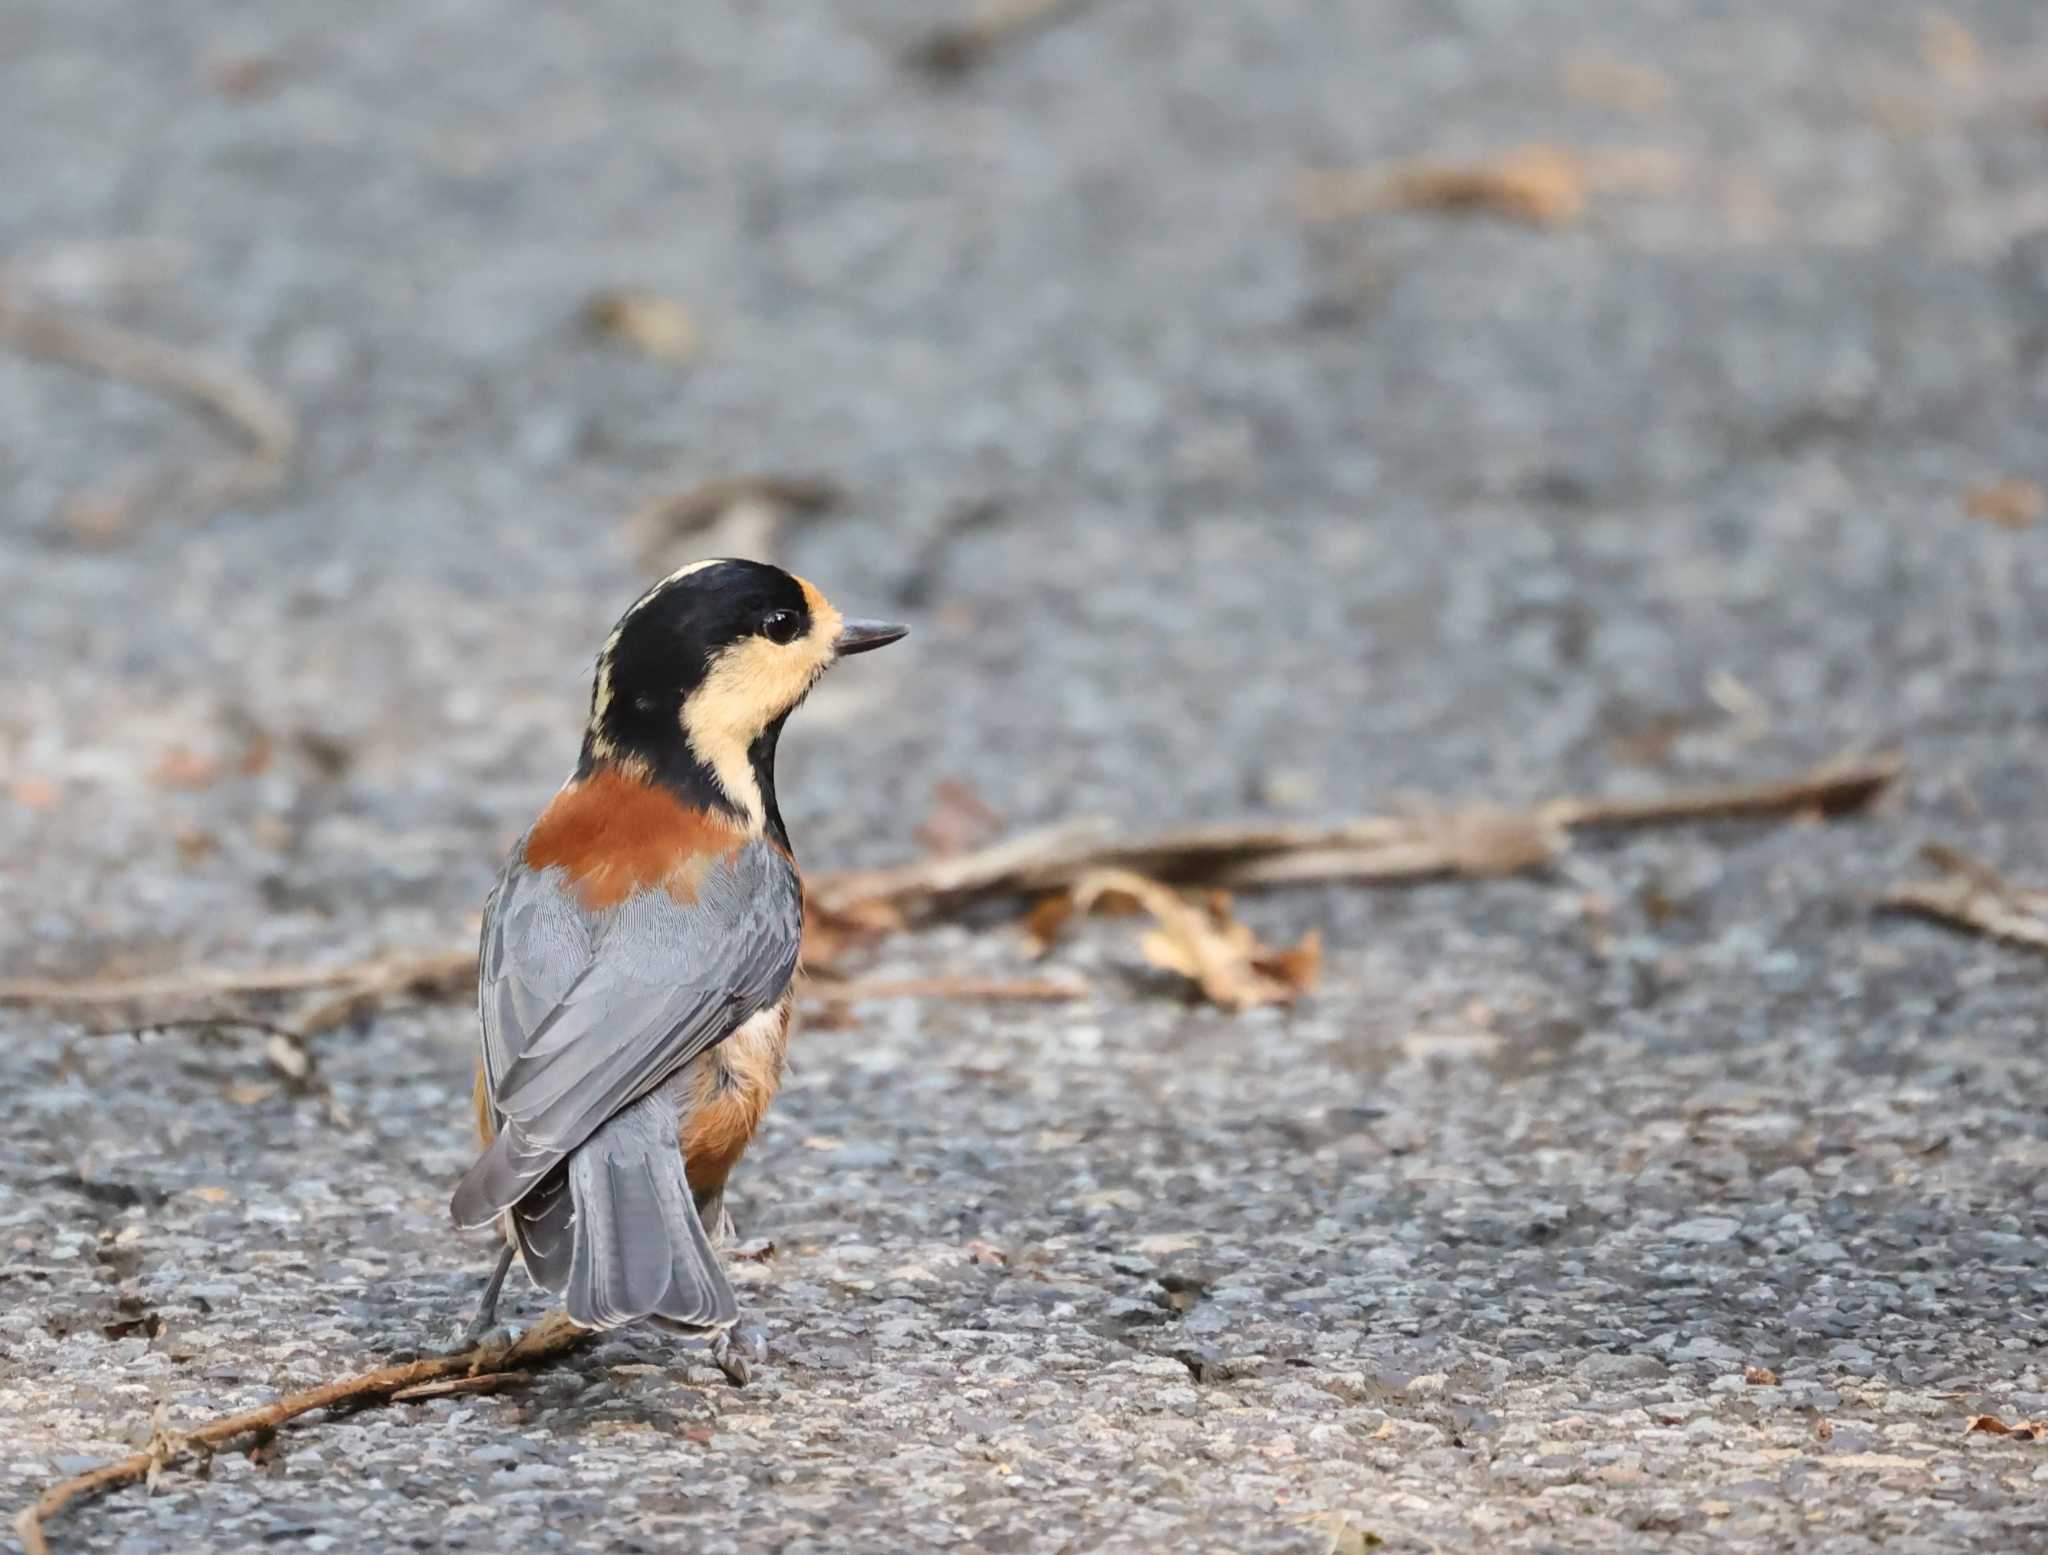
x,y
1969,894
259,418
1475,842
954,50
552,1337
214,995
1539,185
1834,788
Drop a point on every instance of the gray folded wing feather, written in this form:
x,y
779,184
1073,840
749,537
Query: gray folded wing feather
x,y
584,1012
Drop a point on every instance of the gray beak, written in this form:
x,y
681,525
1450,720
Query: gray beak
x,y
860,636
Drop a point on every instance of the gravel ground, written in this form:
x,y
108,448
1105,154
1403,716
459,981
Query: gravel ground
x,y
1201,510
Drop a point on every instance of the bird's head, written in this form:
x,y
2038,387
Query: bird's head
x,y
695,681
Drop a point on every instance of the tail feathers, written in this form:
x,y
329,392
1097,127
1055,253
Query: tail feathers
x,y
544,1224
613,1230
639,1249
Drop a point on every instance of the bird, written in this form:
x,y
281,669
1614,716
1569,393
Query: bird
x,y
637,955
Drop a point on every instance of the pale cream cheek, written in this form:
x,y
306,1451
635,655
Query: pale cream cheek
x,y
749,686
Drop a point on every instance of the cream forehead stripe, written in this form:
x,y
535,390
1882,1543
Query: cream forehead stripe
x,y
747,686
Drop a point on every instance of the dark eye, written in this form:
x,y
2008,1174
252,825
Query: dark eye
x,y
781,626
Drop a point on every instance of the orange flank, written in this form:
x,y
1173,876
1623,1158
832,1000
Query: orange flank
x,y
486,1115
615,836
730,1088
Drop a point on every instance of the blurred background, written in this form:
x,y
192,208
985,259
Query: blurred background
x,y
1289,410
1225,458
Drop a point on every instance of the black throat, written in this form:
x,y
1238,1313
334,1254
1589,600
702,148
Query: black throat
x,y
650,738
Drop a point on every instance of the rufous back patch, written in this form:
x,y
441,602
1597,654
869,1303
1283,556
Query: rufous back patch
x,y
614,835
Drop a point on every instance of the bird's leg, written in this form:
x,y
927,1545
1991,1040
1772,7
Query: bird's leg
x,y
734,1349
487,1305
717,1218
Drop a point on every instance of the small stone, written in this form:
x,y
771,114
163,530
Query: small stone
x,y
1708,1230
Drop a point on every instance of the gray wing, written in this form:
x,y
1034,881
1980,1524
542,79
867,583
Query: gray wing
x,y
585,1012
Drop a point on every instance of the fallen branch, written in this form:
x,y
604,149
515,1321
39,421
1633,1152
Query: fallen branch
x,y
381,980
360,986
954,50
488,1382
1475,843
552,1337
1970,895
252,413
1835,788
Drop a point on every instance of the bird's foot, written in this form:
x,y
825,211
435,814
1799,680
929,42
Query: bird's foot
x,y
737,1351
481,1332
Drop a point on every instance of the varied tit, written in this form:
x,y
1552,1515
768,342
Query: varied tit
x,y
637,956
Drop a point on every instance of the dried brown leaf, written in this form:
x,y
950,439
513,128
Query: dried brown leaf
x,y
2010,504
1299,967
652,324
1970,894
1991,1425
1204,943
1046,922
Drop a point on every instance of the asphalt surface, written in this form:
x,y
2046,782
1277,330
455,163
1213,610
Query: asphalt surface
x,y
1201,510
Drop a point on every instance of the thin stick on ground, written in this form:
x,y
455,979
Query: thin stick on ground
x,y
551,1338
255,416
1474,842
1970,895
378,979
383,979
